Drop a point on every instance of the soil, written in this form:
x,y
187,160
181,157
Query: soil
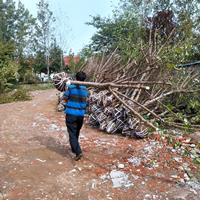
x,y
36,162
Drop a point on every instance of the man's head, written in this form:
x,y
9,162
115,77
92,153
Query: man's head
x,y
80,76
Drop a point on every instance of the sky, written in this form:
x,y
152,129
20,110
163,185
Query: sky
x,y
71,16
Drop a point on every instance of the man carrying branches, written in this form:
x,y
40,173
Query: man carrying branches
x,y
75,107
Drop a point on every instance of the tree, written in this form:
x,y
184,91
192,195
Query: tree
x,y
134,22
162,23
39,64
56,58
24,32
122,32
8,15
8,68
45,31
2,20
181,14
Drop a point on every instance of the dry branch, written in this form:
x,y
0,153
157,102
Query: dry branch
x,y
107,85
140,105
133,111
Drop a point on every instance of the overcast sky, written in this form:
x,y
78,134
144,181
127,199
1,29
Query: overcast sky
x,y
71,16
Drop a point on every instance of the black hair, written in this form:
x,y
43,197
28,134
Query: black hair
x,y
80,76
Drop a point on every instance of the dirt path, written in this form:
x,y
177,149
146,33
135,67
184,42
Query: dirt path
x,y
35,160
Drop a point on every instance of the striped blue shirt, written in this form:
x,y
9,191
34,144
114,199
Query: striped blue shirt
x,y
76,100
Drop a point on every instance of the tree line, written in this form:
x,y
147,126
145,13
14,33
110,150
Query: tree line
x,y
27,44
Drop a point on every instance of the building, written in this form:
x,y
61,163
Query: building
x,y
68,59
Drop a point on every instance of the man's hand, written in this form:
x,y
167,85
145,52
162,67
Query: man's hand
x,y
86,119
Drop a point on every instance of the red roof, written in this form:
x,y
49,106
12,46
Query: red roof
x,y
67,59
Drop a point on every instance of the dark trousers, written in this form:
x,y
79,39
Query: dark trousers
x,y
74,124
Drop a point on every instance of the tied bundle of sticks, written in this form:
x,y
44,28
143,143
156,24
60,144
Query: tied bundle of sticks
x,y
132,98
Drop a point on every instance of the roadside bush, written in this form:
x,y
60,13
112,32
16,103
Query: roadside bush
x,y
29,77
8,75
186,109
15,95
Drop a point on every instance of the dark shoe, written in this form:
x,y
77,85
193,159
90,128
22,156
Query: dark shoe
x,y
78,157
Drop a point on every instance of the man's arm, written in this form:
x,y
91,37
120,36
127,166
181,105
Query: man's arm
x,y
87,103
65,97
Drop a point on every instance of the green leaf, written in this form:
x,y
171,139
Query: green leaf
x,y
197,160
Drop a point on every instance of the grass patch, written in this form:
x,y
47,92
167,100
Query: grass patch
x,y
15,95
33,87
21,92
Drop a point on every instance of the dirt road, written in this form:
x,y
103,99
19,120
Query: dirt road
x,y
35,160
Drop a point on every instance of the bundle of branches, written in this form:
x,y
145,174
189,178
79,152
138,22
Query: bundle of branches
x,y
133,97
130,98
59,81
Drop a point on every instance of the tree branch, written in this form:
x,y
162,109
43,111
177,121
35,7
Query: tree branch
x,y
133,111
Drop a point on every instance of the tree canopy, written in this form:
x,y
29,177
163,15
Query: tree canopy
x,y
134,22
27,43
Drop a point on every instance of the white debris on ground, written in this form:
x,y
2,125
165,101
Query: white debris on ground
x,y
54,127
135,161
119,179
194,184
101,141
121,166
41,118
40,160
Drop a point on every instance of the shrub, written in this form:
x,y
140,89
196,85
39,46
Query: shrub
x,y
15,95
8,75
